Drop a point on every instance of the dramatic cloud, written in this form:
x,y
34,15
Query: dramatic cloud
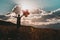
x,y
3,17
37,18
45,19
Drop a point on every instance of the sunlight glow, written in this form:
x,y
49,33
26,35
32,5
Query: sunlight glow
x,y
27,6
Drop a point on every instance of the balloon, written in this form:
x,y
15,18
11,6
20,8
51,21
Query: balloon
x,y
26,13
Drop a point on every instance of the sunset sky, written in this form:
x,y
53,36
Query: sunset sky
x,y
7,5
43,20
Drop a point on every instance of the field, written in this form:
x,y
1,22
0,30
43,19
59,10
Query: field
x,y
8,31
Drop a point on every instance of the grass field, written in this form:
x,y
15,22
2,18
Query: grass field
x,y
9,32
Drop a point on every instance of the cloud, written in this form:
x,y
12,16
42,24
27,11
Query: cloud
x,y
3,17
37,19
46,20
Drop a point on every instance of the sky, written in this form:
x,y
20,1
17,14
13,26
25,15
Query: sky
x,y
39,20
48,5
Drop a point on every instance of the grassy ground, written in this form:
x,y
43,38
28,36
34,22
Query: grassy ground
x,y
8,31
28,33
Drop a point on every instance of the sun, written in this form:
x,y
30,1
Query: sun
x,y
26,6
